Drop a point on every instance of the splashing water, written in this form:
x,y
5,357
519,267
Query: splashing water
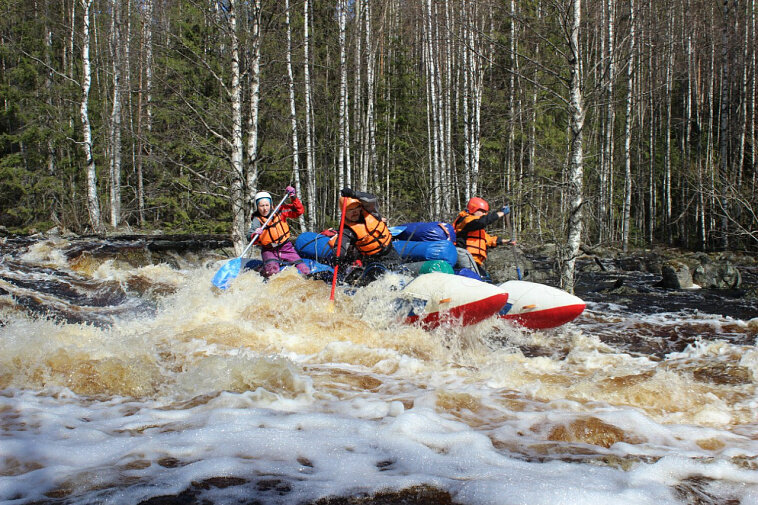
x,y
124,381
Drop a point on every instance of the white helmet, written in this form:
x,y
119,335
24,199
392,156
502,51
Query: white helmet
x,y
260,195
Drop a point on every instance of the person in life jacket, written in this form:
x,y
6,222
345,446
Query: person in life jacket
x,y
273,238
366,236
472,241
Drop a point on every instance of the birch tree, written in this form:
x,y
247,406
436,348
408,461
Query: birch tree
x,y
293,112
255,99
115,133
626,213
93,202
239,218
573,18
343,175
310,164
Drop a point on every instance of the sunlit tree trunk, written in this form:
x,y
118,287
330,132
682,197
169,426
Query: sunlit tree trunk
x,y
255,99
724,126
115,134
293,112
145,87
469,180
310,165
667,198
576,163
343,176
239,219
744,96
628,134
357,99
754,140
606,216
93,203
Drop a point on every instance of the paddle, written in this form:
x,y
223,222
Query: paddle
x,y
339,248
510,224
231,269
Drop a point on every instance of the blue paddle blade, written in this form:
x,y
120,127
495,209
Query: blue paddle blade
x,y
227,273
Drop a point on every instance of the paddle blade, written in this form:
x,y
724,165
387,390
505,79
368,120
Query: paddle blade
x,y
227,273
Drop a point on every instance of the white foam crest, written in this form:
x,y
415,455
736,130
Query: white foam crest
x,y
47,253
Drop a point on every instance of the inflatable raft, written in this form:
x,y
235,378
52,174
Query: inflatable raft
x,y
537,306
316,247
438,298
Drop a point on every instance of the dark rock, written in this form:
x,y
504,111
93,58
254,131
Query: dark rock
x,y
676,275
711,275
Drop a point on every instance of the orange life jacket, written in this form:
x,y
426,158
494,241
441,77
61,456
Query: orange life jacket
x,y
276,233
373,235
476,241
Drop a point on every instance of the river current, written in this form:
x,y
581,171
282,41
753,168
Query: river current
x,y
127,378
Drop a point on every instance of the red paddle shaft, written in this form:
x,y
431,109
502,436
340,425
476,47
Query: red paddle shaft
x,y
339,247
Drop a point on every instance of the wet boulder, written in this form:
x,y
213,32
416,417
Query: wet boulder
x,y
716,275
676,275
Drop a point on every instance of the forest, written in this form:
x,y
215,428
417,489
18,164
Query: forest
x,y
601,122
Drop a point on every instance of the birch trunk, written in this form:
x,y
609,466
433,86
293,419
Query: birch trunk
x,y
293,111
115,133
310,166
144,93
754,140
743,107
465,107
667,199
342,177
628,134
255,99
576,163
239,219
724,125
358,132
607,215
93,203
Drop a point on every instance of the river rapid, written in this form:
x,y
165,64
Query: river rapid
x,y
127,378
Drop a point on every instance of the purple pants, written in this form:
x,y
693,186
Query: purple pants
x,y
285,253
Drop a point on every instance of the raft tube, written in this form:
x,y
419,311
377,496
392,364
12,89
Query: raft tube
x,y
316,246
426,232
537,306
438,298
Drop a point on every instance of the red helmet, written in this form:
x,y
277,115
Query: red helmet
x,y
477,203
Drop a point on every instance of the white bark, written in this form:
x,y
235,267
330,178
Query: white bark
x,y
255,99
358,55
93,203
606,215
743,107
115,133
144,139
724,123
343,177
753,138
239,221
433,112
667,198
465,107
293,111
310,165
628,134
576,163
